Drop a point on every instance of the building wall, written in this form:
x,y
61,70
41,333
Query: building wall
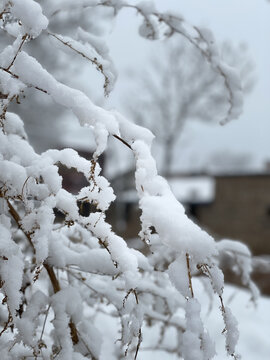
x,y
241,211
125,219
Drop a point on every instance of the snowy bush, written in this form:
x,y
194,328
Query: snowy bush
x,y
60,280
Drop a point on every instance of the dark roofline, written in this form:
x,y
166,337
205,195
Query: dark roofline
x,y
221,174
200,174
251,175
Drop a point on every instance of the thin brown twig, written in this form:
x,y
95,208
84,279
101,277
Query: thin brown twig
x,y
123,141
45,320
18,78
4,12
9,320
138,344
24,185
17,52
53,278
87,347
189,275
133,291
94,61
222,304
17,219
66,43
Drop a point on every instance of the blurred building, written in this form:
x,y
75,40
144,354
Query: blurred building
x,y
228,206
240,210
233,206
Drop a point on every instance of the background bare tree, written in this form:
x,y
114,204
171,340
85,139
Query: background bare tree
x,y
180,87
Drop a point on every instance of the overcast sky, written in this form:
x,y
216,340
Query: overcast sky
x,y
237,21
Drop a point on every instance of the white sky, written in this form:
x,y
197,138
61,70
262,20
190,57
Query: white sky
x,y
237,21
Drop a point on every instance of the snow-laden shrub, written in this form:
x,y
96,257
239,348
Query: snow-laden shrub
x,y
59,278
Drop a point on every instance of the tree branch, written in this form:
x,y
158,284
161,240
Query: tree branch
x,y
123,141
50,271
17,52
189,275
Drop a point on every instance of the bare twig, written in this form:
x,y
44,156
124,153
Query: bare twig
x,y
9,320
189,275
17,52
44,324
29,85
127,295
94,60
24,185
123,141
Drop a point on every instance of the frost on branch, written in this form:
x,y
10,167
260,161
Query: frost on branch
x,y
61,276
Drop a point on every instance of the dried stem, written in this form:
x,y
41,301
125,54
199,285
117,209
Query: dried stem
x,y
123,141
189,275
17,219
53,278
222,304
29,85
127,295
44,324
138,344
93,61
17,52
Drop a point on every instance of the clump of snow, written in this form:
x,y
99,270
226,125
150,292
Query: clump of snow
x,y
197,345
14,125
242,260
28,323
231,331
179,276
8,85
30,14
11,269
